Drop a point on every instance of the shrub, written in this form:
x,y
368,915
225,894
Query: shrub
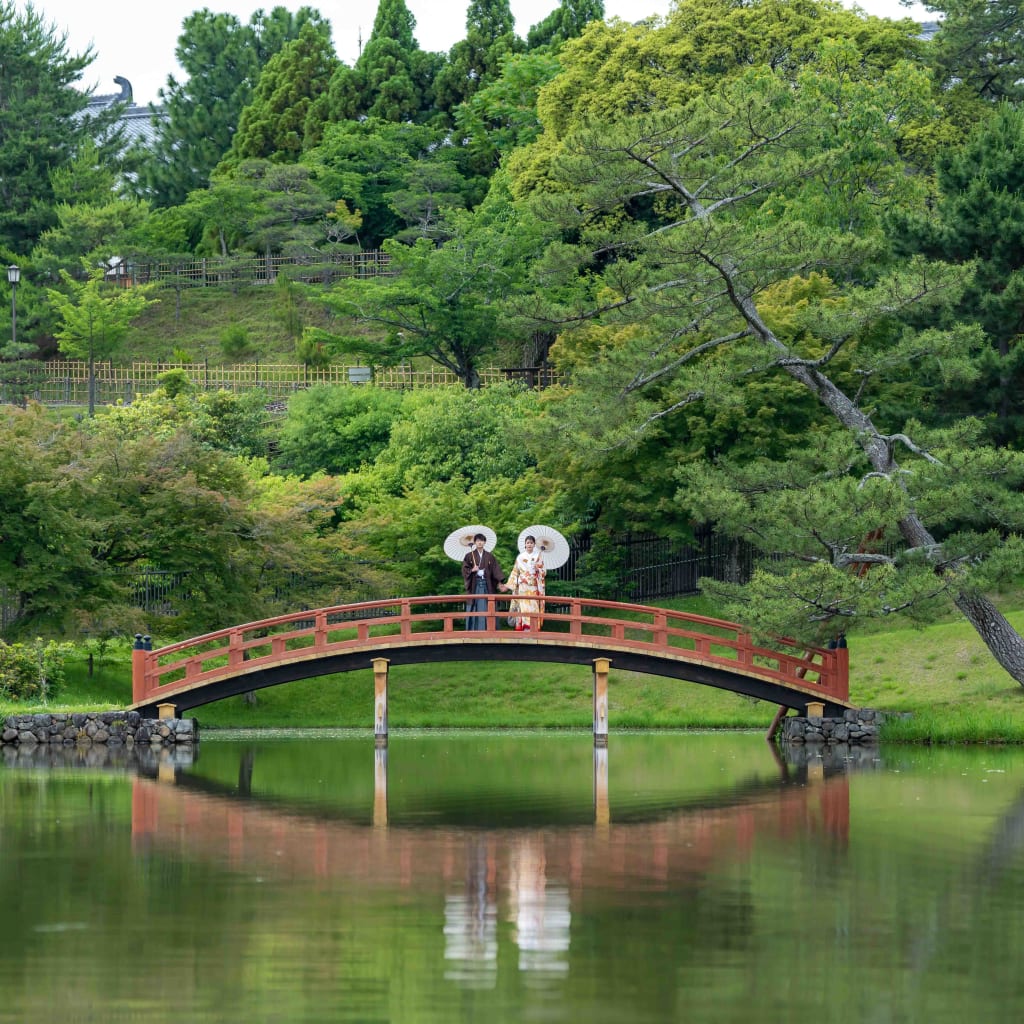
x,y
234,341
32,671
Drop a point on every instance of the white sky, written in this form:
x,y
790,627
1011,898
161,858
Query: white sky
x,y
137,40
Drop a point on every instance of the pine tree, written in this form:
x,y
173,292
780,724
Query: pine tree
x,y
476,60
223,59
566,21
43,121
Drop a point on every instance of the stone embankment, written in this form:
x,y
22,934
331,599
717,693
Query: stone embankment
x,y
112,728
857,727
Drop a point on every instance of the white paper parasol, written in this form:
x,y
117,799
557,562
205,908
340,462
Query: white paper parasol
x,y
552,545
459,541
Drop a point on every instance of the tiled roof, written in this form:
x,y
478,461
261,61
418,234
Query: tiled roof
x,y
137,121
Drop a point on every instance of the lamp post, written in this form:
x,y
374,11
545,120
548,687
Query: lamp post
x,y
13,277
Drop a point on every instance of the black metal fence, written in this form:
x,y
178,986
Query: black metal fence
x,y
646,568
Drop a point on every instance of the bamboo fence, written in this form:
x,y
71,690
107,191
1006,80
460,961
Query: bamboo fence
x,y
66,382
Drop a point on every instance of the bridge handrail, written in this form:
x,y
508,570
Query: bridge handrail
x,y
232,647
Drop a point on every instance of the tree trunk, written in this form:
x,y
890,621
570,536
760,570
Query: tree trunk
x,y
1002,640
1005,643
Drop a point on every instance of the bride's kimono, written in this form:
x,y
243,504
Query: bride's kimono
x,y
526,581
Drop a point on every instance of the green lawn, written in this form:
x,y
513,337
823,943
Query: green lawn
x,y
943,674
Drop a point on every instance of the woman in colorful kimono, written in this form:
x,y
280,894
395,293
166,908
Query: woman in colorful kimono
x,y
526,581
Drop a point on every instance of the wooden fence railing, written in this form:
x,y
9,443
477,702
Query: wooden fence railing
x,y
377,626
205,273
66,382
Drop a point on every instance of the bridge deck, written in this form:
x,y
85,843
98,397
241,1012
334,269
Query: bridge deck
x,y
421,629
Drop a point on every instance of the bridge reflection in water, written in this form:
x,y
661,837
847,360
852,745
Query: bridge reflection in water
x,y
528,877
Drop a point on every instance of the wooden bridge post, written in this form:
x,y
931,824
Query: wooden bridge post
x,y
380,701
601,701
142,645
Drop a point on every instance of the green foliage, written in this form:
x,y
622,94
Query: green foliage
x,y
622,70
32,671
363,162
284,115
393,78
175,382
978,219
443,301
286,306
310,352
336,429
454,456
93,315
978,46
94,224
502,115
222,60
87,507
566,21
234,341
43,121
286,208
475,61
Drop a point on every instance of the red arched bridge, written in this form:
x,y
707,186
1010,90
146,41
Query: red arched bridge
x,y
411,630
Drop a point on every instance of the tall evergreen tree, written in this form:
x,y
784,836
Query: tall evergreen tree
x,y
43,121
222,59
392,79
979,46
566,21
475,61
979,219
284,117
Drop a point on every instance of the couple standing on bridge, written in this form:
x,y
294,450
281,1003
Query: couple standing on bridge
x,y
482,574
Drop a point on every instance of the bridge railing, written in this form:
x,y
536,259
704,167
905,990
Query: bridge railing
x,y
375,625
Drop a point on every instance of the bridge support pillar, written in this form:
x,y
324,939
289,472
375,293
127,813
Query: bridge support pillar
x,y
380,701
601,701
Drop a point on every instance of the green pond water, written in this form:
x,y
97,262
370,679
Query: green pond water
x,y
519,877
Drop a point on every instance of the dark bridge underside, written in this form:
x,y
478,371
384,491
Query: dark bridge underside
x,y
414,654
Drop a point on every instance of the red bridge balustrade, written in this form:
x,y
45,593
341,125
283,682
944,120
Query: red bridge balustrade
x,y
411,630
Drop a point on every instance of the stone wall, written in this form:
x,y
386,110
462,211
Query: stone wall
x,y
858,726
113,728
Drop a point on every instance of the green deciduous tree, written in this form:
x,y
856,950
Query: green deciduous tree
x,y
453,456
336,429
442,302
94,317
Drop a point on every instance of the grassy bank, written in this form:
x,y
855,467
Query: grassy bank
x,y
943,675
